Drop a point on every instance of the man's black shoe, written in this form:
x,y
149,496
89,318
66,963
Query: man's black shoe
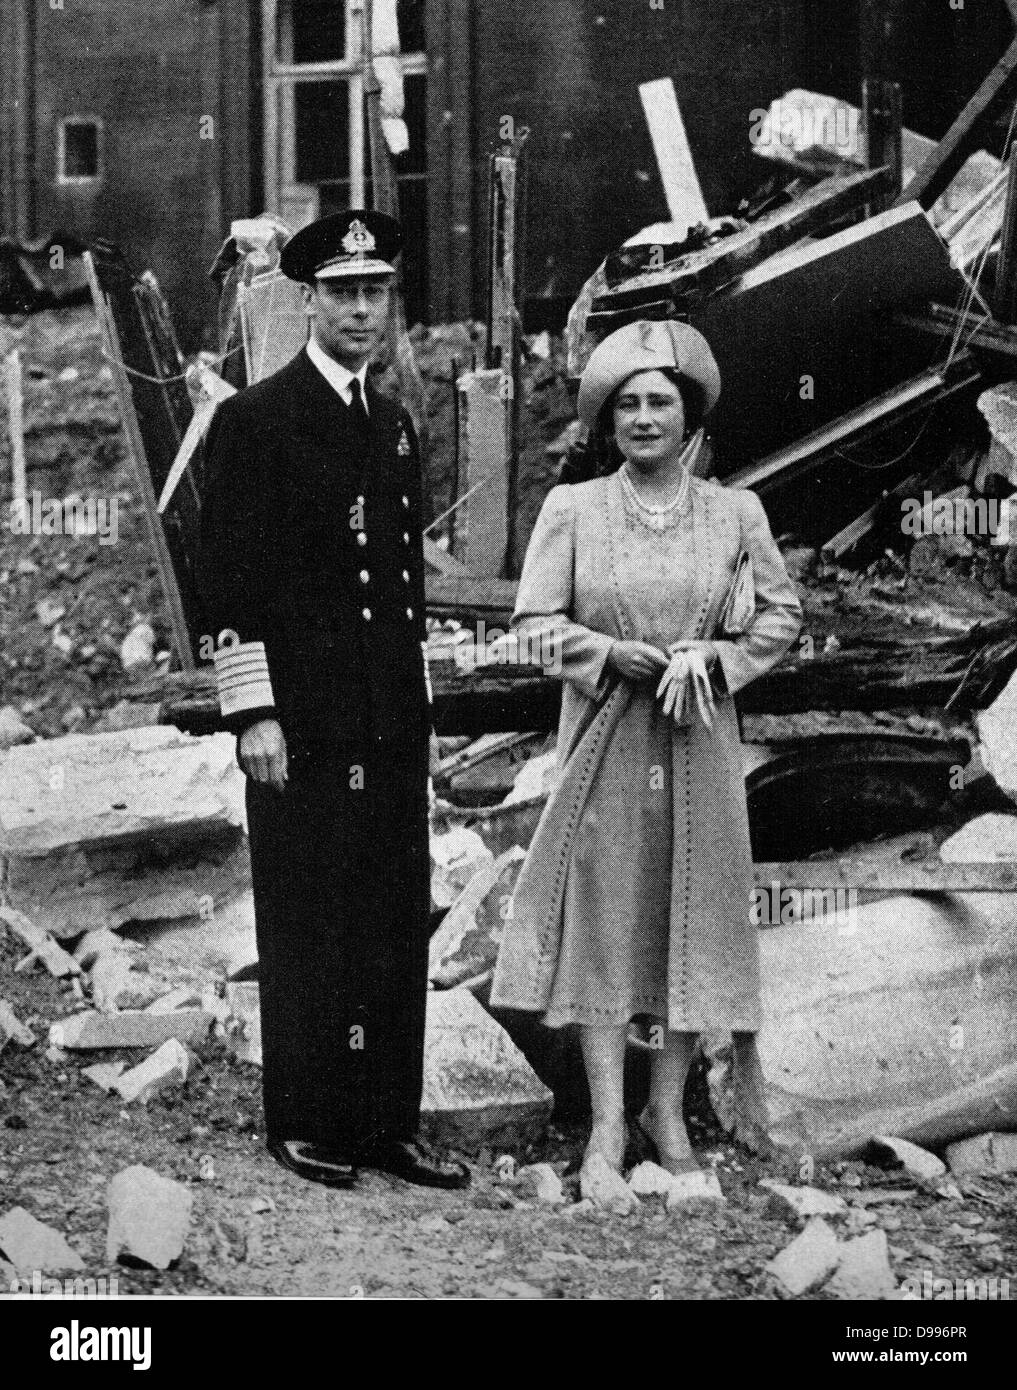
x,y
417,1162
314,1162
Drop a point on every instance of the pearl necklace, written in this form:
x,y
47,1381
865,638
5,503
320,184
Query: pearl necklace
x,y
676,502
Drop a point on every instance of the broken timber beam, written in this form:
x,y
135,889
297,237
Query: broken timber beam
x,y
143,476
685,203
41,945
891,408
991,99
691,278
988,336
16,425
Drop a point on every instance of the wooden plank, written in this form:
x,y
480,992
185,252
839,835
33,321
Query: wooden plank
x,y
482,521
472,593
42,946
503,351
143,477
213,390
871,874
942,322
884,135
685,202
16,425
875,415
961,139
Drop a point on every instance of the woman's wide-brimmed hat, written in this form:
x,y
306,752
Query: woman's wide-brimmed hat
x,y
646,347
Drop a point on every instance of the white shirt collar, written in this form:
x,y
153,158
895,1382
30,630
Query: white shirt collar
x,y
337,376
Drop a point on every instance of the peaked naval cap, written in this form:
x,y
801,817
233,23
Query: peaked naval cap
x,y
350,243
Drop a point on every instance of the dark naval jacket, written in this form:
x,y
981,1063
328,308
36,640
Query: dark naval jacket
x,y
311,554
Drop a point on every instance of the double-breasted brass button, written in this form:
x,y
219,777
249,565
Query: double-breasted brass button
x,y
367,615
406,575
406,502
364,576
361,538
409,612
406,537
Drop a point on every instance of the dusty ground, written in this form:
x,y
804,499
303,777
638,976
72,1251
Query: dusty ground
x,y
62,1139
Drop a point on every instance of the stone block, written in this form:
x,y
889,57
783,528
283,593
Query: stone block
x,y
804,1202
808,1261
478,1087
12,1029
132,1028
105,1074
540,1182
13,729
606,1189
149,1217
694,1187
29,1245
466,944
985,1153
165,1068
863,1270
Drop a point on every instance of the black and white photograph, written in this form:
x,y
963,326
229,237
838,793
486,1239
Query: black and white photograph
x,y
508,667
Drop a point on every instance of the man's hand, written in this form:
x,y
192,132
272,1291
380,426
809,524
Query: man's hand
x,y
636,661
262,754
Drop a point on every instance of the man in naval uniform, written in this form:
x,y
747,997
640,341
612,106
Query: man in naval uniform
x,y
311,567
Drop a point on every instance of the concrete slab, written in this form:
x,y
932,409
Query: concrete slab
x,y
900,1023
116,787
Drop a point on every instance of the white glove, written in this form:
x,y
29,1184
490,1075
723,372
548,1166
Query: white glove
x,y
687,668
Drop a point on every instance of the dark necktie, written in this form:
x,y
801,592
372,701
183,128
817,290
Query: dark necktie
x,y
358,409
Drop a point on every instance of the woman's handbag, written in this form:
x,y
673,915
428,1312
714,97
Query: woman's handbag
x,y
740,605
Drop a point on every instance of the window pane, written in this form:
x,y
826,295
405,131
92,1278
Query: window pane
x,y
319,30
411,25
322,131
81,150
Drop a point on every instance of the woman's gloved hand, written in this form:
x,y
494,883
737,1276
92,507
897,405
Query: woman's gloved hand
x,y
687,668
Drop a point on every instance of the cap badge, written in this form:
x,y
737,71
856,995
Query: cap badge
x,y
358,239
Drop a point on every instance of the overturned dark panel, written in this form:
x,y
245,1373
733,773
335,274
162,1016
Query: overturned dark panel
x,y
155,368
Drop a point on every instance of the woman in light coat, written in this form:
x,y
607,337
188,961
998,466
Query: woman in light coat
x,y
634,901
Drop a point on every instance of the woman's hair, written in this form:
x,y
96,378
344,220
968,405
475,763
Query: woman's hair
x,y
602,453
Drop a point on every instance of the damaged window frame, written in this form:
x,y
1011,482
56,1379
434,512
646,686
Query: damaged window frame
x,y
65,179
